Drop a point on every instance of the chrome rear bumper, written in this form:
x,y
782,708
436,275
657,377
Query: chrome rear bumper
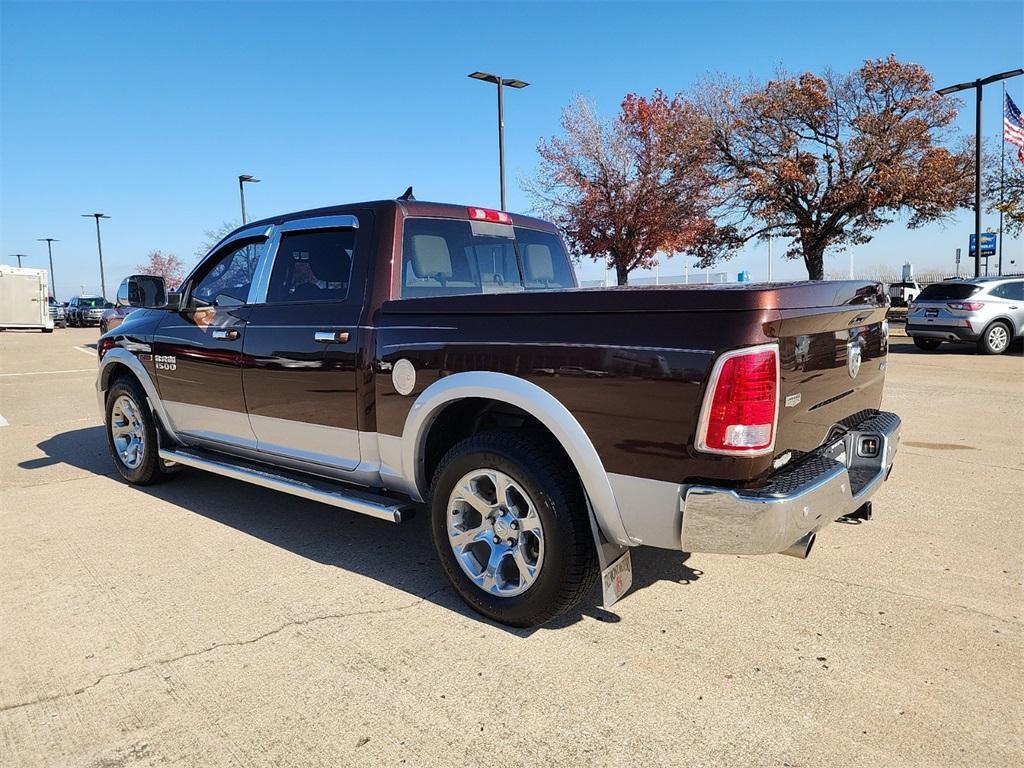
x,y
796,502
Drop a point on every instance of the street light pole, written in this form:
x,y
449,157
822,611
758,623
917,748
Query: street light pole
x,y
99,248
49,247
501,82
978,85
242,180
19,257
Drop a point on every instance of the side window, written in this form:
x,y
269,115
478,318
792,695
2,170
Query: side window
x,y
122,292
1013,291
312,266
227,280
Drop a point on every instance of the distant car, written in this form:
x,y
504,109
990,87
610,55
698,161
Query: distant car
x,y
57,313
986,311
902,293
86,310
113,317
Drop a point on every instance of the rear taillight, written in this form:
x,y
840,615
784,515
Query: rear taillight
x,y
741,407
969,306
104,346
486,214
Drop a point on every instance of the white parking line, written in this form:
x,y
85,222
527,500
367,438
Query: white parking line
x,y
4,422
89,352
47,373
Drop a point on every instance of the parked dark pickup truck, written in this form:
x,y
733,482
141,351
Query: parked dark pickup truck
x,y
381,355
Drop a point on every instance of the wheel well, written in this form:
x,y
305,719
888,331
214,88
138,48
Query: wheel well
x,y
1005,321
114,372
464,418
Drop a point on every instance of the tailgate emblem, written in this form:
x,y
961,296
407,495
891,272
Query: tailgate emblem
x,y
792,401
853,358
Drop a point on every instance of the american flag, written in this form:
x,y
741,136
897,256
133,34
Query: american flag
x,y
1013,129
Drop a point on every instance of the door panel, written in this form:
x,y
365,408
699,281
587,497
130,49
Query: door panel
x,y
198,351
301,392
200,375
302,401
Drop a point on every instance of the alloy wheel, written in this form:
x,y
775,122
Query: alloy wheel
x,y
495,532
998,338
128,431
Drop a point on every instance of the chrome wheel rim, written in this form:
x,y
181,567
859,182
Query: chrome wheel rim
x,y
495,532
997,338
128,431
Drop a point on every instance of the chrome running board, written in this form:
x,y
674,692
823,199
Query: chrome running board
x,y
294,483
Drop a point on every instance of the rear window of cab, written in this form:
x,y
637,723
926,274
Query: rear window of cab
x,y
449,257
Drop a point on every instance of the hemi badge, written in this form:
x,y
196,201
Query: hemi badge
x,y
793,400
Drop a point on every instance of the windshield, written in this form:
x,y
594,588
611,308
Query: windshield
x,y
447,257
947,291
91,303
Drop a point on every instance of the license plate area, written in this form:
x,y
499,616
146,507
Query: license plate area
x,y
931,313
616,579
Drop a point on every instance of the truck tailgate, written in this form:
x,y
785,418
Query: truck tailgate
x,y
832,366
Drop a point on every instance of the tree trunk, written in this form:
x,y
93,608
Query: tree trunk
x,y
621,274
814,260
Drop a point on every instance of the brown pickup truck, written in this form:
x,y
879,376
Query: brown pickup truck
x,y
386,356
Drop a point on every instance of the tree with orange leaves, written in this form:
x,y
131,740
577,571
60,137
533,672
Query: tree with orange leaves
x,y
826,161
624,190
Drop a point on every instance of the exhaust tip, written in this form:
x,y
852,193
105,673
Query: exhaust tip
x,y
802,547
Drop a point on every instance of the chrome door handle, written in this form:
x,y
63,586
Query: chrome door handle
x,y
331,337
229,334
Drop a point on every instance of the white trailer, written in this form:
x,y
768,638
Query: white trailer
x,y
24,295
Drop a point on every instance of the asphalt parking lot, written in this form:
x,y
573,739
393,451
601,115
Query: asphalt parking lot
x,y
210,623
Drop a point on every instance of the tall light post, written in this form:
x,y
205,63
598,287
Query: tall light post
x,y
19,257
49,247
99,248
501,82
244,179
978,85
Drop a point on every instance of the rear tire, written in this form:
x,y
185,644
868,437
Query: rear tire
x,y
132,435
929,344
543,560
996,339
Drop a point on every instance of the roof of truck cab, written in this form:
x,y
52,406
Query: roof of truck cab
x,y
406,207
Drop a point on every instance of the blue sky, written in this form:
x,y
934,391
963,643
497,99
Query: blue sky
x,y
149,111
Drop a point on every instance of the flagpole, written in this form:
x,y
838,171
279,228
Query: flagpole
x,y
1002,163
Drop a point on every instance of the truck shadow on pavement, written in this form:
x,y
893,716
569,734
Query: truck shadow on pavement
x,y
401,556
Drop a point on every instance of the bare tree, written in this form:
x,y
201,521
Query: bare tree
x,y
213,236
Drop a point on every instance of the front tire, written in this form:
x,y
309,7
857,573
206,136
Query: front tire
x,y
928,344
996,339
511,528
132,435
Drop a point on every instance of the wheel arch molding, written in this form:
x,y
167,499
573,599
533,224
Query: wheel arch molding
x,y
118,358
528,397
